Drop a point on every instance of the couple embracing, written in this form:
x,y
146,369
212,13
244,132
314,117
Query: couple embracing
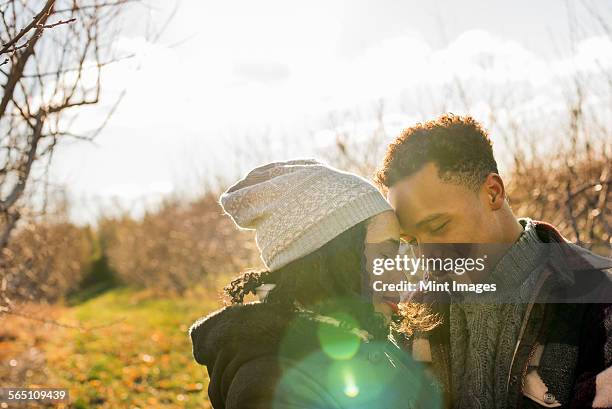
x,y
321,337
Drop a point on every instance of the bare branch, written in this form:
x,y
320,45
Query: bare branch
x,y
42,16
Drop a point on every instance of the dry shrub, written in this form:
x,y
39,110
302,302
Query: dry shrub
x,y
179,245
44,261
572,194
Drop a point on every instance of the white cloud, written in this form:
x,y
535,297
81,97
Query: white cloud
x,y
285,74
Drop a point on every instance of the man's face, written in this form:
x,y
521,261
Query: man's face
x,y
431,210
446,220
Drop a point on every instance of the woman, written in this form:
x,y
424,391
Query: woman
x,y
320,337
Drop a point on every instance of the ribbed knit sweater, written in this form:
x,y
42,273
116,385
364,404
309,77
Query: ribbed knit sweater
x,y
483,335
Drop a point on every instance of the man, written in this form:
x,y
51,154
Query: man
x,y
442,180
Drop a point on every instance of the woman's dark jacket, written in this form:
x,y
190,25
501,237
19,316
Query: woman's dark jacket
x,y
261,356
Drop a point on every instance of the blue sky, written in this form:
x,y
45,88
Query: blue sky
x,y
225,73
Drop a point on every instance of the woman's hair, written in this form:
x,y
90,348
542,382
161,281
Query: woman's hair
x,y
330,280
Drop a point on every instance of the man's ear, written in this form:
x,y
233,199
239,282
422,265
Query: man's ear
x,y
495,191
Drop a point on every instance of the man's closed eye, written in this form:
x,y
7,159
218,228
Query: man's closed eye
x,y
440,228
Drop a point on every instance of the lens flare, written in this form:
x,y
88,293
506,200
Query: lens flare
x,y
350,388
337,343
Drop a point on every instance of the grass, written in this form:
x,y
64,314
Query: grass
x,y
132,351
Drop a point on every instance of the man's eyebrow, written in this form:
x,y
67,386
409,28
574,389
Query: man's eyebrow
x,y
429,218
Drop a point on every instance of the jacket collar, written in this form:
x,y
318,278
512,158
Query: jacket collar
x,y
566,258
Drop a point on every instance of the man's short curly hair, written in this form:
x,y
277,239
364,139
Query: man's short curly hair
x,y
458,145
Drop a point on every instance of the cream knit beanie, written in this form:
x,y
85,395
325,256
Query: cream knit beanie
x,y
295,207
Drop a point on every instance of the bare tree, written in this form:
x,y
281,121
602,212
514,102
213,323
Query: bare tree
x,y
52,53
356,149
52,56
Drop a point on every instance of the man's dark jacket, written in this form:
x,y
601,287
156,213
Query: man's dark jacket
x,y
570,273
